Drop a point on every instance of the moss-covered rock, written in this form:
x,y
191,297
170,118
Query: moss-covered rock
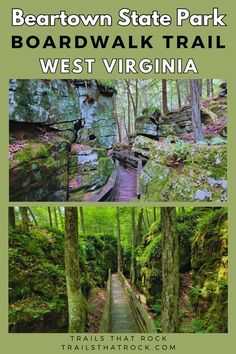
x,y
37,295
146,126
89,169
148,255
180,122
185,172
218,106
46,117
209,294
97,113
144,146
37,289
43,101
38,168
149,266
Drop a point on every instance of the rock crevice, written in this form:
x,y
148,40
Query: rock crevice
x,y
59,139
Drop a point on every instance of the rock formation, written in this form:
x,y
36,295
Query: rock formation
x,y
178,123
60,131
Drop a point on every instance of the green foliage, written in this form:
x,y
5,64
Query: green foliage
x,y
108,83
157,322
36,277
187,221
209,293
180,150
196,326
216,141
152,250
37,284
98,253
157,307
150,111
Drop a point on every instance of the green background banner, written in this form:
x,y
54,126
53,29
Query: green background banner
x,y
24,63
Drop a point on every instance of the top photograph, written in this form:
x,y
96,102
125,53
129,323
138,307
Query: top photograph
x,y
118,140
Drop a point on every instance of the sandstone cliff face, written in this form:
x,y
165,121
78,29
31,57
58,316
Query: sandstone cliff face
x,y
49,117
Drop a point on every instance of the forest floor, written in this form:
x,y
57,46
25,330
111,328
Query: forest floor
x,y
95,309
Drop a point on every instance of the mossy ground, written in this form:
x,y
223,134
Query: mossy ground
x,y
193,172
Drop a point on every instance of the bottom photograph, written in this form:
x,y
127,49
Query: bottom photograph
x,y
118,270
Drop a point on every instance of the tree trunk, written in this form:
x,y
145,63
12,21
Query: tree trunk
x,y
33,217
154,214
208,87
133,243
188,92
125,127
132,98
148,221
178,94
81,213
76,300
128,109
145,224
11,218
117,120
50,216
170,271
25,218
164,97
139,227
55,217
119,259
200,87
61,217
196,111
136,98
144,95
212,87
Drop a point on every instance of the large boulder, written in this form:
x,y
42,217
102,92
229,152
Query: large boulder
x,y
46,117
43,101
89,169
86,106
97,114
185,172
144,146
38,169
146,126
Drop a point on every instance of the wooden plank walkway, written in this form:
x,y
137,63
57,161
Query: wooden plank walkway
x,y
126,187
122,318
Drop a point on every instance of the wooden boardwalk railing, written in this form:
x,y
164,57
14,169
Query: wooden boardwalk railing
x,y
107,191
142,317
105,326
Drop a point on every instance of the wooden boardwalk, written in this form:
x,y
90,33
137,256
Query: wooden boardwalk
x,y
122,318
126,187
